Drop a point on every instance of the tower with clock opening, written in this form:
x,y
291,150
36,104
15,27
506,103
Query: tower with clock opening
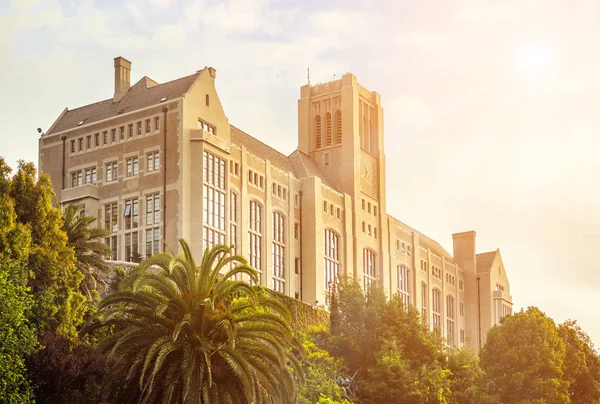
x,y
340,127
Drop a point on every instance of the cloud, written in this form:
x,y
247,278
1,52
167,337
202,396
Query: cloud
x,y
26,15
427,40
409,111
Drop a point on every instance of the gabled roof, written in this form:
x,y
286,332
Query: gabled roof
x,y
259,149
305,167
426,242
485,260
145,93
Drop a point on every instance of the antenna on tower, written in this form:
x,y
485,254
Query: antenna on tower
x,y
308,75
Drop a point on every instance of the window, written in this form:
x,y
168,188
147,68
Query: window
x,y
368,268
206,127
331,260
462,336
111,172
460,285
436,309
111,242
72,146
462,309
297,231
325,206
132,246
113,135
90,175
207,100
73,180
424,302
89,142
369,207
97,139
152,223
338,213
450,279
499,287
130,130
213,200
408,250
364,226
122,132
156,123
111,217
297,265
80,144
318,134
424,266
506,310
139,128
104,138
402,274
147,125
450,339
278,254
255,238
436,272
131,214
132,167
328,136
338,126
233,222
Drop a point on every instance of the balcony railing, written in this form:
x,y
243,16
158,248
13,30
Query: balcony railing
x,y
80,192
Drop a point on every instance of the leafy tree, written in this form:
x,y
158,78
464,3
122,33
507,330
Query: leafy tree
x,y
90,250
523,359
467,379
189,334
320,369
66,374
54,278
582,364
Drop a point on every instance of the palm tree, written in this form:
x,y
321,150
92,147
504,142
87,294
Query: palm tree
x,y
90,250
194,334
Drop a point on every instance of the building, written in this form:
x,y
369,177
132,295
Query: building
x,y
161,161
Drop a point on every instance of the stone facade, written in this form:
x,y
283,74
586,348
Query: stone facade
x,y
182,171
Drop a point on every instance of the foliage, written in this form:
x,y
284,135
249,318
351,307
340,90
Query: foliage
x,y
90,250
467,379
65,374
320,368
523,359
52,274
582,364
182,336
304,316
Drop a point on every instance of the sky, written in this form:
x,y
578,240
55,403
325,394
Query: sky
x,y
491,108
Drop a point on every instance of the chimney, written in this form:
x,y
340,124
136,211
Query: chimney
x,y
122,83
464,250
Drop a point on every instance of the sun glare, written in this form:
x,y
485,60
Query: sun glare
x,y
534,59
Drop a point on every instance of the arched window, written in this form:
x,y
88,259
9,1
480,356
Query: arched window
x,y
450,339
402,274
338,127
255,238
368,268
436,308
278,252
318,132
328,129
331,261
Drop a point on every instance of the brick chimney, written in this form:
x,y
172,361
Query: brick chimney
x,y
122,82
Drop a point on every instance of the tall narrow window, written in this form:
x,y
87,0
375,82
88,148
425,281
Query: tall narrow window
x,y
152,224
331,259
255,238
436,309
278,253
318,134
111,217
368,268
450,339
328,129
213,200
233,222
338,126
403,282
424,301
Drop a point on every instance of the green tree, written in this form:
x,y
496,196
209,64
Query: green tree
x,y
467,379
54,278
192,334
523,359
582,364
90,250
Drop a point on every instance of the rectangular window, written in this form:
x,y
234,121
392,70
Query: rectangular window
x,y
131,214
297,266
88,176
233,222
79,178
122,132
153,236
152,161
111,242
402,274
72,146
156,123
139,128
104,138
460,285
89,142
255,237
462,336
112,173
130,130
73,180
132,167
97,139
213,203
113,135
111,217
132,247
368,268
152,209
331,259
424,302
147,125
80,144
297,231
436,309
462,309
